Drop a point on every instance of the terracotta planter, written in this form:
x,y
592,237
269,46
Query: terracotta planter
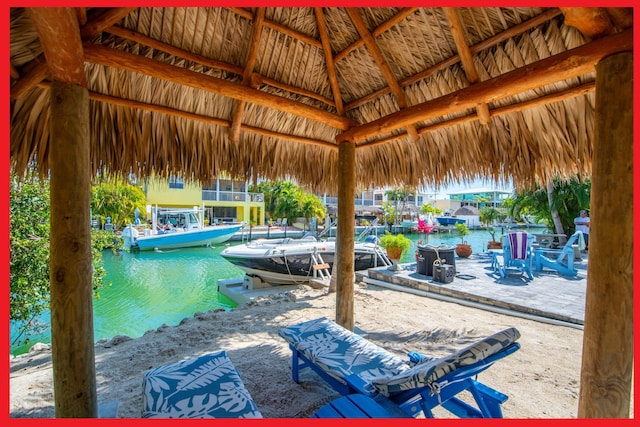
x,y
494,245
463,250
394,253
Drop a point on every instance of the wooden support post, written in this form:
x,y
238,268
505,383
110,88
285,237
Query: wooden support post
x,y
346,234
74,379
607,353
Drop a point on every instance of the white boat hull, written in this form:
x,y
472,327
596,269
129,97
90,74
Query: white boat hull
x,y
179,239
295,261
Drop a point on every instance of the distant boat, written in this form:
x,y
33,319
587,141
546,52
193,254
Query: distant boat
x,y
186,230
294,261
449,220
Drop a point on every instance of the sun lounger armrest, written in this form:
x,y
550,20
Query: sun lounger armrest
x,y
358,384
416,357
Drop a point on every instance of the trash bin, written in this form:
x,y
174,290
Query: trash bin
x,y
421,263
428,254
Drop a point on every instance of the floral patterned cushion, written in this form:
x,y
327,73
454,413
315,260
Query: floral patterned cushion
x,y
340,353
429,370
205,387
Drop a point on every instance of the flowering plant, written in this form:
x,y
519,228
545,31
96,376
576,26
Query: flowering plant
x,y
425,227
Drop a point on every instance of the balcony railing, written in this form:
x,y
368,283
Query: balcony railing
x,y
231,196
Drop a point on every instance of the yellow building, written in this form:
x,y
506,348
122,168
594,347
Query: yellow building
x,y
225,200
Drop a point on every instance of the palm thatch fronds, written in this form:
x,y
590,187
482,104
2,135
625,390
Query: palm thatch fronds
x,y
167,125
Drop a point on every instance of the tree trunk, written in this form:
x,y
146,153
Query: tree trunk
x,y
555,216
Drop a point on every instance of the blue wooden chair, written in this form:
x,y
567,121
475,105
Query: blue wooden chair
x,y
417,384
560,260
516,254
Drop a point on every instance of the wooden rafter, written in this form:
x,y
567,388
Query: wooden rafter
x,y
280,28
67,47
238,111
593,22
32,74
104,21
382,63
498,38
135,63
457,31
385,26
328,56
172,50
94,96
38,70
507,109
208,62
566,65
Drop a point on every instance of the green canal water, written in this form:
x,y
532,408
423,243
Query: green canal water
x,y
149,289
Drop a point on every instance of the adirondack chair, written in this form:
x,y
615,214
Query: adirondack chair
x,y
516,254
560,260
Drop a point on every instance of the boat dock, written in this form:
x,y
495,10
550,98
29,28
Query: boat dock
x,y
549,297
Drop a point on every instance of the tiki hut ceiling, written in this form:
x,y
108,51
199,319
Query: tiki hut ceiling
x,y
428,95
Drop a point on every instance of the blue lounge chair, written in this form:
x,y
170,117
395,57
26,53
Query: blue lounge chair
x,y
560,260
353,365
208,386
516,254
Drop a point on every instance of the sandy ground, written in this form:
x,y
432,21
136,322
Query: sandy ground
x,y
541,379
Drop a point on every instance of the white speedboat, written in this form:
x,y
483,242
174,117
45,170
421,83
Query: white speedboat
x,y
294,261
184,230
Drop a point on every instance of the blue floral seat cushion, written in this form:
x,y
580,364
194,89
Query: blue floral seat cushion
x,y
205,387
341,353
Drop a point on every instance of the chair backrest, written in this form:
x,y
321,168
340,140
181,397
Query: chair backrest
x,y
519,244
566,252
461,364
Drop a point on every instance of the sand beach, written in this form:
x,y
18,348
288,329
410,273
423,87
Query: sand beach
x,y
541,379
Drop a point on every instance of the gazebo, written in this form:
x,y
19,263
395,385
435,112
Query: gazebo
x,y
337,99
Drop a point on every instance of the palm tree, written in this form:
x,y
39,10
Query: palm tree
x,y
556,205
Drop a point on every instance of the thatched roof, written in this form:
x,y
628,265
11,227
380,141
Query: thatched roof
x,y
428,95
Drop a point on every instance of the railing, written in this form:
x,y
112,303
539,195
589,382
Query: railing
x,y
235,196
326,230
369,228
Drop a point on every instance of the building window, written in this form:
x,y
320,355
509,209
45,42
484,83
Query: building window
x,y
176,183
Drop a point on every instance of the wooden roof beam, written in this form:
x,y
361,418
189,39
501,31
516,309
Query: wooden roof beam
x,y
596,22
280,28
328,56
238,111
138,64
507,109
38,70
208,62
566,65
385,26
127,103
593,22
457,31
498,38
103,21
382,63
62,49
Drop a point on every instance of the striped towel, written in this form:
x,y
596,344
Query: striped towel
x,y
519,245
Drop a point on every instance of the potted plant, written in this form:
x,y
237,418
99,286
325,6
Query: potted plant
x,y
396,245
463,250
493,243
